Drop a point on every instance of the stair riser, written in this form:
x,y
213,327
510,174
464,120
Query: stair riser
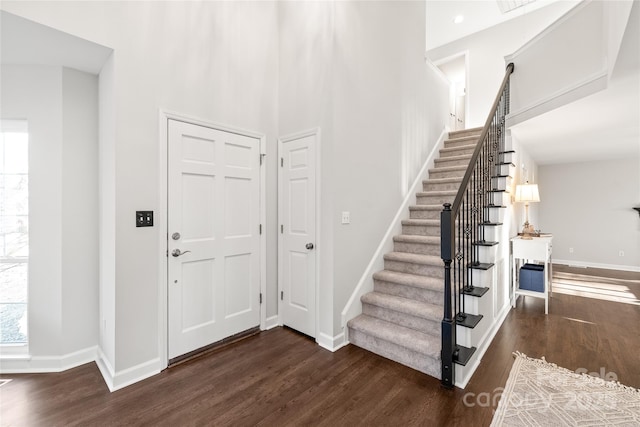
x,y
449,162
445,186
426,326
500,198
488,254
459,151
493,233
497,214
417,269
434,199
508,169
410,292
410,358
452,143
435,173
501,183
424,214
507,157
421,230
417,248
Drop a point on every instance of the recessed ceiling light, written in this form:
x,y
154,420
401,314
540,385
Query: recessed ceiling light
x,y
458,19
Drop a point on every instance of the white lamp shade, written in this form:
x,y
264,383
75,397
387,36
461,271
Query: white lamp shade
x,y
527,193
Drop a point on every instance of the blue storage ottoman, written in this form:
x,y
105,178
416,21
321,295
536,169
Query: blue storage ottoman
x,y
532,277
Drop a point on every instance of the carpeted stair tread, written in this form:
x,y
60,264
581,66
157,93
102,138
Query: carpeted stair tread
x,y
411,238
466,132
421,222
426,344
442,180
404,305
425,207
448,159
462,168
458,148
414,258
437,193
414,280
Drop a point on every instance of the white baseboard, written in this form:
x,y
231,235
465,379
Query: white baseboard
x,y
118,380
107,371
462,383
271,322
331,343
597,265
40,364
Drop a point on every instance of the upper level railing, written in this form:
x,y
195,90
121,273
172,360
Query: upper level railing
x,y
463,229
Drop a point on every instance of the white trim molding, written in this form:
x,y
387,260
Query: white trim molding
x,y
272,322
581,89
585,264
332,343
117,380
23,364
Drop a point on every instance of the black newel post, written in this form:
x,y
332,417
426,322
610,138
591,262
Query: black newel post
x,y
448,326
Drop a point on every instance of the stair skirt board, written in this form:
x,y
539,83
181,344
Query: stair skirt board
x,y
401,317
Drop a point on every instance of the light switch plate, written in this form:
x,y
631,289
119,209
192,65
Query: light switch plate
x,y
144,218
346,218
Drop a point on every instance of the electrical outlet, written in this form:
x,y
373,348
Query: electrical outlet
x,y
620,253
346,218
570,250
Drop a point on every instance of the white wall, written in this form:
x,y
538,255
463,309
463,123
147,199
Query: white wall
x,y
587,207
79,210
35,93
526,170
216,61
357,71
389,110
486,51
60,106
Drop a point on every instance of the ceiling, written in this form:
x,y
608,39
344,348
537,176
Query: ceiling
x,y
28,43
478,15
605,125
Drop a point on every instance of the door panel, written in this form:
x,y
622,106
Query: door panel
x,y
213,203
298,219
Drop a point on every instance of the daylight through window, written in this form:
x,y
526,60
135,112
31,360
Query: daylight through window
x,y
14,230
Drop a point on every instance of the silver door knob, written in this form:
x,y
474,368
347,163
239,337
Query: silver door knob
x,y
177,252
309,246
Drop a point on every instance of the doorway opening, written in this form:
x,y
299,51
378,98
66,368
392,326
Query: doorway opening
x,y
455,69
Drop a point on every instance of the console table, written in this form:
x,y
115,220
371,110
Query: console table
x,y
534,249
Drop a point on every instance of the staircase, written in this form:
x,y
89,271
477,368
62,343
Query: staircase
x,y
401,318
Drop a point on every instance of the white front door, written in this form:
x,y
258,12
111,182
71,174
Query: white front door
x,y
297,216
213,235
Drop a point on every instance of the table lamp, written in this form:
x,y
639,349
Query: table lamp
x,y
527,193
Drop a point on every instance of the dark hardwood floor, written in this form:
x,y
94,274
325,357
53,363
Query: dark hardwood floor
x,y
279,377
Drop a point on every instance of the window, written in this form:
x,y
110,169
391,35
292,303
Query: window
x,y
14,231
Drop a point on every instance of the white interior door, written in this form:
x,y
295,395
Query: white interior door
x,y
213,235
297,213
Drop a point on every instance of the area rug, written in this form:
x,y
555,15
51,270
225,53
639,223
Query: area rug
x,y
539,393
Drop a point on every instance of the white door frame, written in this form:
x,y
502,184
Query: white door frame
x,y
318,241
161,221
